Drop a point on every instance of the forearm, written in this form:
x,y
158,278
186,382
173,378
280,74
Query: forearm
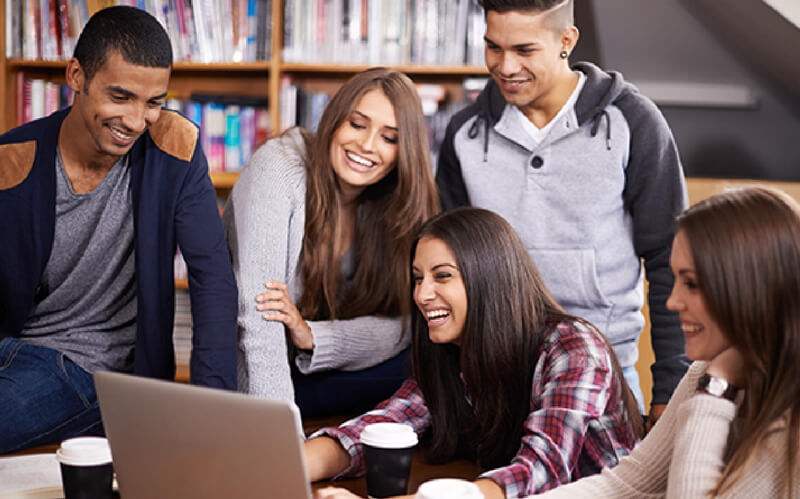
x,y
325,458
490,489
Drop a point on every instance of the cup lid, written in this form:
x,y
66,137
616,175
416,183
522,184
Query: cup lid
x,y
389,435
448,488
84,451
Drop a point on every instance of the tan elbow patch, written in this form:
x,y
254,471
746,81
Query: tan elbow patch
x,y
175,135
16,161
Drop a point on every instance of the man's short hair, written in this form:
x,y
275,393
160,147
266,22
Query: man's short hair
x,y
562,11
136,35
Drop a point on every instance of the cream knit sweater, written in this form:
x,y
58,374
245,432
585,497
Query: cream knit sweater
x,y
682,456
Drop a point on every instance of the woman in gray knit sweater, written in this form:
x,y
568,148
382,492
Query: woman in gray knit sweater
x,y
319,227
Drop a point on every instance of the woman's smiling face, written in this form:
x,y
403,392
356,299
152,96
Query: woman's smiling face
x,y
704,338
439,290
364,147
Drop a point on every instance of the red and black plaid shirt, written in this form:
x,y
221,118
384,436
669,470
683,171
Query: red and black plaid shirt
x,y
576,424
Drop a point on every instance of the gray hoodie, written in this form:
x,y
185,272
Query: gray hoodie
x,y
596,197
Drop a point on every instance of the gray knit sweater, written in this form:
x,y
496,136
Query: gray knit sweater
x,y
265,221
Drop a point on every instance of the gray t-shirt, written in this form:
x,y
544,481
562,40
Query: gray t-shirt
x,y
86,303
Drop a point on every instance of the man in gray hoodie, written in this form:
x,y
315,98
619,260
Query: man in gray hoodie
x,y
585,168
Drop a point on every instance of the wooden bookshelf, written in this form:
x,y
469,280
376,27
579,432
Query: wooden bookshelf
x,y
248,79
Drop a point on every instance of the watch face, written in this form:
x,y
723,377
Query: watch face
x,y
717,386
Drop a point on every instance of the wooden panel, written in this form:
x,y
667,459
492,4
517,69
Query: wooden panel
x,y
702,188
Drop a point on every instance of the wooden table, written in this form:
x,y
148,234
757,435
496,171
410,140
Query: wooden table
x,y
420,472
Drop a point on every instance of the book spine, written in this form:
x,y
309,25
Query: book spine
x,y
201,29
263,131
251,32
233,158
247,132
37,99
216,131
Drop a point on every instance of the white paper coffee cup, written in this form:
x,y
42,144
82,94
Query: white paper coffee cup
x,y
388,452
448,488
86,468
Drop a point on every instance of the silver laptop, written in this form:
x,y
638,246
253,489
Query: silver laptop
x,y
170,440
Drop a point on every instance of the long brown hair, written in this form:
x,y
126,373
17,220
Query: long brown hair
x,y
746,250
390,211
509,315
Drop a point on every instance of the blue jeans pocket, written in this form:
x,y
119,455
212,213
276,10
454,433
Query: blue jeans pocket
x,y
8,351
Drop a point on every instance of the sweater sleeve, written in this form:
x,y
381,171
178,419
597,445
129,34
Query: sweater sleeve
x,y
697,459
655,194
642,474
259,218
700,445
353,344
405,406
568,425
212,288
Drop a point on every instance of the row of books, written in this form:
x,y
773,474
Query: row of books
x,y
40,98
385,32
182,330
43,29
300,106
200,30
231,128
303,107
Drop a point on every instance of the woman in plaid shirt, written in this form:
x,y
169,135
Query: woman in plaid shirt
x,y
501,374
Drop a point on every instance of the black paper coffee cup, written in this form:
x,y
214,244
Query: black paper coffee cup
x,y
388,452
86,468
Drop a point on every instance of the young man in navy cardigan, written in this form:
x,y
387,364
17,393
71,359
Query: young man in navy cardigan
x,y
93,201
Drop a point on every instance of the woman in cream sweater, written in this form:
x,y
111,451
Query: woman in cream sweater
x,y
731,428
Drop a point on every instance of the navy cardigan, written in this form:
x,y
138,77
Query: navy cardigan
x,y
174,203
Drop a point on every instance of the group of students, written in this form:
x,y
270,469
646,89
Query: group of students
x,y
517,309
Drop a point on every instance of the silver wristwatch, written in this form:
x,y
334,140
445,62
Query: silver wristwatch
x,y
717,387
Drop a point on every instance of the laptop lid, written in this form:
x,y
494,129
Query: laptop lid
x,y
170,440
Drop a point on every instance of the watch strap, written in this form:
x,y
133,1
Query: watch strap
x,y
718,387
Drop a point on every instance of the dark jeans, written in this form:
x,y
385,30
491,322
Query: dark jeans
x,y
44,397
345,393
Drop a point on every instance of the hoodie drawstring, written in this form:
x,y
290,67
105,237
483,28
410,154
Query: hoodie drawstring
x,y
596,126
473,132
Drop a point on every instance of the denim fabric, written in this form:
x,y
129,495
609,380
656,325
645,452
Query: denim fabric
x,y
632,377
44,397
342,392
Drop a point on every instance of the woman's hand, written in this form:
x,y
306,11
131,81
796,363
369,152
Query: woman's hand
x,y
279,307
728,365
334,493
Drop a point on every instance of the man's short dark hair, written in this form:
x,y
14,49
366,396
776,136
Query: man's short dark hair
x,y
136,35
564,15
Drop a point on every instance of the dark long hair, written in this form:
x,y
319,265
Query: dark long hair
x,y
746,250
510,312
390,211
